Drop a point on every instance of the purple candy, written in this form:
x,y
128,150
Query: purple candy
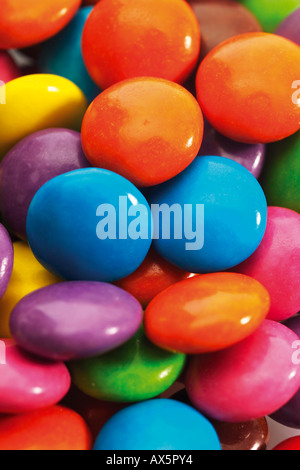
x,y
251,156
6,259
289,415
290,27
30,164
74,320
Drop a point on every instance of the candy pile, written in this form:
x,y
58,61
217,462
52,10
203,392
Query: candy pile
x,y
150,236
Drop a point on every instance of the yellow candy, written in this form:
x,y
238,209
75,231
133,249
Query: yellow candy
x,y
37,102
28,275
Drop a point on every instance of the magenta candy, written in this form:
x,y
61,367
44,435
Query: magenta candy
x,y
247,381
290,28
30,164
276,263
251,156
8,69
28,383
6,259
73,320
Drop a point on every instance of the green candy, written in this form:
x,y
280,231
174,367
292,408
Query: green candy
x,y
271,13
281,176
136,371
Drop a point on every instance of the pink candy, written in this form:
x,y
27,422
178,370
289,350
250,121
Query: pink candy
x,y
8,68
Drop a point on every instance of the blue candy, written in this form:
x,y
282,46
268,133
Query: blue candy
x,y
231,227
83,225
61,55
159,424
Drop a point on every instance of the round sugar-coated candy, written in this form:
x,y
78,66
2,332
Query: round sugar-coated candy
x,y
206,313
37,102
289,28
6,259
293,443
245,92
131,130
220,20
94,412
281,175
72,320
151,38
62,55
276,263
239,384
28,383
8,68
31,163
220,215
251,156
89,225
136,371
289,414
23,24
252,435
160,424
27,275
270,12
153,276
54,428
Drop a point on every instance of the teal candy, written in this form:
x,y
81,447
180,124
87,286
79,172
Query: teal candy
x,y
160,424
61,55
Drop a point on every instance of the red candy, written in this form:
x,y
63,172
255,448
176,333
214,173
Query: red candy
x,y
145,129
244,87
290,444
27,22
54,428
155,38
8,69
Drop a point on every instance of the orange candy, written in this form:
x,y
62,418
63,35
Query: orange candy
x,y
24,23
54,428
206,313
145,129
140,38
153,276
246,88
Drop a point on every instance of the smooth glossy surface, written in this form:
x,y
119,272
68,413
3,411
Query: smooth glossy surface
x,y
136,371
270,12
275,264
23,24
31,163
220,20
289,414
27,276
152,277
206,313
6,259
55,428
290,444
239,384
62,55
128,39
8,68
170,426
289,28
37,102
28,383
252,435
252,157
72,320
131,130
251,100
281,175
63,222
234,215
